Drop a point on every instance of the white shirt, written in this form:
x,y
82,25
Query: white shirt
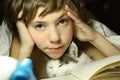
x,y
5,40
106,32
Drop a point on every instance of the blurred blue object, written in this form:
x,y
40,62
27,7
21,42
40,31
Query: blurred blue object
x,y
23,71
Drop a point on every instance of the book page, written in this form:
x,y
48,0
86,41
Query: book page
x,y
84,72
68,77
108,74
108,68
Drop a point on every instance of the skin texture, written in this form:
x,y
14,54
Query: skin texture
x,y
52,35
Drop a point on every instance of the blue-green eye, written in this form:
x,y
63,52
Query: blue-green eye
x,y
63,22
40,26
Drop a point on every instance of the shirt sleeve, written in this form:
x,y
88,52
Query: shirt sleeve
x,y
5,39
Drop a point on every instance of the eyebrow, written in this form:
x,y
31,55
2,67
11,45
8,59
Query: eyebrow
x,y
61,16
64,14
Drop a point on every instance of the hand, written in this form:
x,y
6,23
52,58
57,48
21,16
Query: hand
x,y
81,30
26,41
25,37
85,33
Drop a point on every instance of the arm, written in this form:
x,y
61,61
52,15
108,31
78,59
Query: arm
x,y
22,48
104,45
19,52
83,32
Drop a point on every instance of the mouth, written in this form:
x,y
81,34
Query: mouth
x,y
55,49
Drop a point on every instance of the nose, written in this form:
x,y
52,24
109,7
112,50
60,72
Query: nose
x,y
54,35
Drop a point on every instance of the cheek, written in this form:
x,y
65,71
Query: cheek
x,y
37,38
68,34
39,41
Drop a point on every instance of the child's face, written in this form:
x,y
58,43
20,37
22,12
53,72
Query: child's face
x,y
52,33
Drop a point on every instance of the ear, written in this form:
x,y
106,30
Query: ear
x,y
73,50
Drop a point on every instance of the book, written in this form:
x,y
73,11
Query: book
x,y
104,69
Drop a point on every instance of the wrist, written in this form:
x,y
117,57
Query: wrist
x,y
97,38
25,51
27,46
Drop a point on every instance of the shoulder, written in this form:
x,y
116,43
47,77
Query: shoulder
x,y
5,31
110,35
5,39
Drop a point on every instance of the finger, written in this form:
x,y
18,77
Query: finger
x,y
79,34
22,29
20,24
77,21
20,14
72,14
67,8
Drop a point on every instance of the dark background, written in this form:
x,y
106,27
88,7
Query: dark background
x,y
1,9
106,11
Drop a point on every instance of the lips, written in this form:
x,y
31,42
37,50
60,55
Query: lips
x,y
55,49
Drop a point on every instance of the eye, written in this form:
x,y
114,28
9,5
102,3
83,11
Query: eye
x,y
40,26
63,22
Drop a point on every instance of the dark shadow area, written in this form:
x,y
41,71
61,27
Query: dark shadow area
x,y
1,10
106,11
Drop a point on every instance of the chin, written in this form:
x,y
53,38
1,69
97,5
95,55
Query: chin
x,y
55,56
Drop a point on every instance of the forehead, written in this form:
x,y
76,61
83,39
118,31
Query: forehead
x,y
51,15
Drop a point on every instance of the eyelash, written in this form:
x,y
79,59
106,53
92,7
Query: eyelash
x,y
39,26
63,22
